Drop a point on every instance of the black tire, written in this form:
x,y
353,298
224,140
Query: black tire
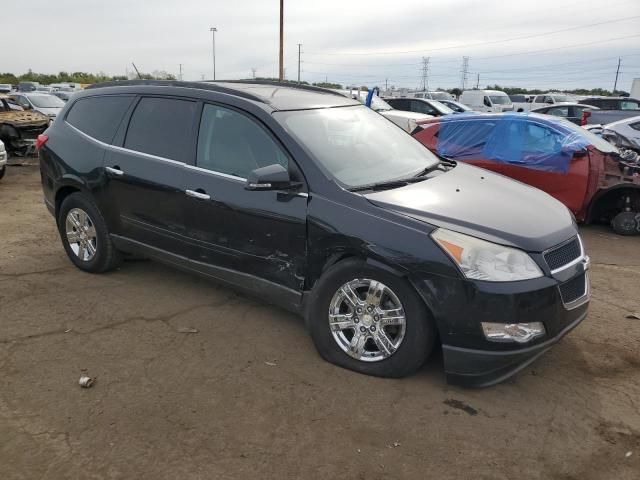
x,y
419,335
106,257
3,170
626,223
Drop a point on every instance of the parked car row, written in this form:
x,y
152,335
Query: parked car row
x,y
307,198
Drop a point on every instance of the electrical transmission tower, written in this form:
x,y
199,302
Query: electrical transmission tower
x,y
425,73
464,73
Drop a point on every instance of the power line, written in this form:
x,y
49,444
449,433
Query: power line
x,y
490,42
559,48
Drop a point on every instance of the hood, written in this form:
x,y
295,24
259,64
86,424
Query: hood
x,y
26,118
483,204
51,112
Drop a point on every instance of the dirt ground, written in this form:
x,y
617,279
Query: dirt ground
x,y
247,396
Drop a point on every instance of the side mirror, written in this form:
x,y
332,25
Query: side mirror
x,y
271,177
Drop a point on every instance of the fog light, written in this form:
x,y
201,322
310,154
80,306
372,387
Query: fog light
x,y
512,332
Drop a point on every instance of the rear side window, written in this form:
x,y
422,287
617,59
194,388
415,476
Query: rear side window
x,y
99,117
423,107
161,127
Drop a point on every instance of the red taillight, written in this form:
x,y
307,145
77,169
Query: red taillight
x,y
585,115
42,139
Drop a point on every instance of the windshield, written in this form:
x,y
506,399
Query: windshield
x,y
46,101
562,98
500,99
457,106
593,139
357,146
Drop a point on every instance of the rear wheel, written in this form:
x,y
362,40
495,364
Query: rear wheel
x,y
369,320
85,235
626,223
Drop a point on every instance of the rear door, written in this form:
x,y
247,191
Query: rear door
x,y
257,233
146,185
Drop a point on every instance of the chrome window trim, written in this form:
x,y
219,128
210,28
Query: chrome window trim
x,y
163,159
214,172
150,156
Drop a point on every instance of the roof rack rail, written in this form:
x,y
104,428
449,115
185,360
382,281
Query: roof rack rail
x,y
275,83
176,83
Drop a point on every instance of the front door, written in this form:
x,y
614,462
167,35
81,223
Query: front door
x,y
256,233
146,173
542,163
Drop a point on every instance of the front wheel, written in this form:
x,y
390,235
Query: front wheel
x,y
369,320
3,170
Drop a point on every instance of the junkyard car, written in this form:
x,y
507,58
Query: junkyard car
x,y
19,129
314,202
624,133
3,160
573,165
44,103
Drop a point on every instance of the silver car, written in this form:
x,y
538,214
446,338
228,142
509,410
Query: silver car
x,y
624,133
45,103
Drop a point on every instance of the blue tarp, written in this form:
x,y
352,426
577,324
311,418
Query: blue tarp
x,y
529,141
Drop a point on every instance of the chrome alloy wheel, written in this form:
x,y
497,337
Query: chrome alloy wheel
x,y
81,234
367,320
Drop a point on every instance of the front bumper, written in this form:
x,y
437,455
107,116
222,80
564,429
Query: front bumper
x,y
559,300
482,368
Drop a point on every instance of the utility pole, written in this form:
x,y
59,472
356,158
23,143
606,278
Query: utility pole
x,y
615,84
281,72
386,84
180,76
478,82
464,73
253,72
213,31
299,61
425,73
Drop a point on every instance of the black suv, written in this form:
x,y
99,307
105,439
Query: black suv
x,y
317,203
612,103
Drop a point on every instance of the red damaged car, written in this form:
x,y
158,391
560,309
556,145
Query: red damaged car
x,y
595,180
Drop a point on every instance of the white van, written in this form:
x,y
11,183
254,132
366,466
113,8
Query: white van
x,y
486,100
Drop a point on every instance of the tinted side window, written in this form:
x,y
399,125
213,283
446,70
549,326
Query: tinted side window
x,y
231,143
99,117
422,107
487,102
400,104
161,127
559,111
628,105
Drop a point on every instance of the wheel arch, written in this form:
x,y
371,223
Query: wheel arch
x,y
603,197
69,184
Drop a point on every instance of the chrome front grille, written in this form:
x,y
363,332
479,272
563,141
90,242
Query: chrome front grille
x,y
574,289
567,253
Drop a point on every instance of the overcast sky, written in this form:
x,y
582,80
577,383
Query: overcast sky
x,y
348,41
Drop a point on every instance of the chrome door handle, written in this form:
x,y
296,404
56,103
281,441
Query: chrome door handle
x,y
198,195
114,171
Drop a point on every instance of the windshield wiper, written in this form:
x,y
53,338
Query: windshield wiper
x,y
387,185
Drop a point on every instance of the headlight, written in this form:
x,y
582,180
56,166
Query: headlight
x,y
482,260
